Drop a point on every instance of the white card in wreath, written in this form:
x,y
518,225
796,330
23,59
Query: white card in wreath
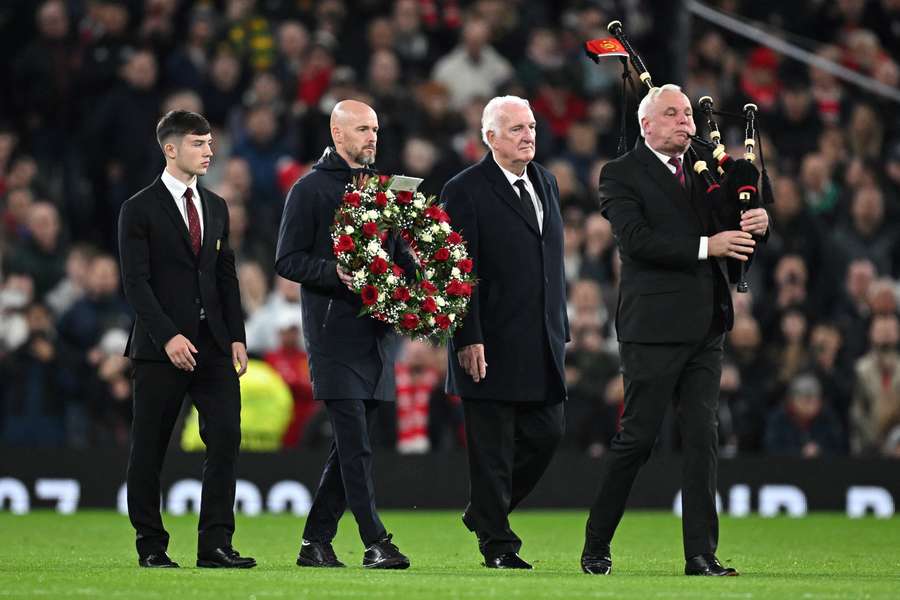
x,y
402,183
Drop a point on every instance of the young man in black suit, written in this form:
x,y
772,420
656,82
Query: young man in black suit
x,y
351,358
674,307
506,360
188,335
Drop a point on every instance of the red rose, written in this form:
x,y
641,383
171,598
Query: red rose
x,y
344,244
369,295
433,212
442,254
429,287
381,199
409,321
458,288
401,294
465,265
370,228
454,238
429,305
404,197
442,321
351,198
383,180
378,266
397,270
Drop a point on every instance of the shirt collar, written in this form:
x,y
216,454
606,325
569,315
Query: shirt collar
x,y
176,187
665,157
512,177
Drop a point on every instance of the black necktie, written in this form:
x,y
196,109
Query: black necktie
x,y
527,203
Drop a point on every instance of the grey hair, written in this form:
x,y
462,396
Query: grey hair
x,y
490,118
649,99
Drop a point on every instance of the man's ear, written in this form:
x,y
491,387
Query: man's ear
x,y
170,149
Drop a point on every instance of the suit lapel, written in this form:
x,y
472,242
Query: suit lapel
x,y
540,185
665,180
208,228
505,191
168,204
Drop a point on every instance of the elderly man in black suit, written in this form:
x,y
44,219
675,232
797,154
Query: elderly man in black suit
x,y
179,278
351,359
674,307
506,360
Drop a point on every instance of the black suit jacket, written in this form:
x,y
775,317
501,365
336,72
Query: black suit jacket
x,y
666,294
518,308
166,284
350,357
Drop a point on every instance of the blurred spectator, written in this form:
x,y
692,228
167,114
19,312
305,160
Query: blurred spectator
x,y
826,364
254,291
876,399
32,410
222,88
755,372
418,377
852,309
42,255
16,293
473,69
597,263
249,34
868,235
821,193
796,126
188,64
265,326
262,149
292,363
804,425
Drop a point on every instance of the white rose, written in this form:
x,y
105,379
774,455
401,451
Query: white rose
x,y
348,229
429,273
452,317
435,228
426,237
371,215
431,321
455,272
445,227
440,301
373,247
382,253
456,254
361,274
392,280
381,296
419,203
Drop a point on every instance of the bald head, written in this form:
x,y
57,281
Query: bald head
x,y
354,129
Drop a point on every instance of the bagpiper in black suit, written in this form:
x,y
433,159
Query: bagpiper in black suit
x,y
674,307
179,277
506,360
351,358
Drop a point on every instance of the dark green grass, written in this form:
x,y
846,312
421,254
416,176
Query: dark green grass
x,y
91,555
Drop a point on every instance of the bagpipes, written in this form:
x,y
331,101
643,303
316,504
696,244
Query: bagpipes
x,y
732,188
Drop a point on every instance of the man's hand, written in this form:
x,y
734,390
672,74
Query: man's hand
x,y
239,357
181,352
755,221
733,244
345,277
471,359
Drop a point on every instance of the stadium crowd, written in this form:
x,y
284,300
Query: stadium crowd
x,y
812,366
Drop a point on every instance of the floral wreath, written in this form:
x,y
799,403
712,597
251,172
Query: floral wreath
x,y
433,306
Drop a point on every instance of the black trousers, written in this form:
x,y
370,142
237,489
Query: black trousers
x,y
656,374
510,445
159,391
347,477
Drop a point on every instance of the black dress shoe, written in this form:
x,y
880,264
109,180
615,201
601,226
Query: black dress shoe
x,y
510,560
596,565
317,554
383,554
160,560
707,564
224,558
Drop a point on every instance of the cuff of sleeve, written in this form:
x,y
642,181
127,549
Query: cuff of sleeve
x,y
704,248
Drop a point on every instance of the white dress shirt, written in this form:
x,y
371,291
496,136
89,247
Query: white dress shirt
x,y
177,188
535,199
703,253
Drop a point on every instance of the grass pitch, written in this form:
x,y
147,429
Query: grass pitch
x,y
91,555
